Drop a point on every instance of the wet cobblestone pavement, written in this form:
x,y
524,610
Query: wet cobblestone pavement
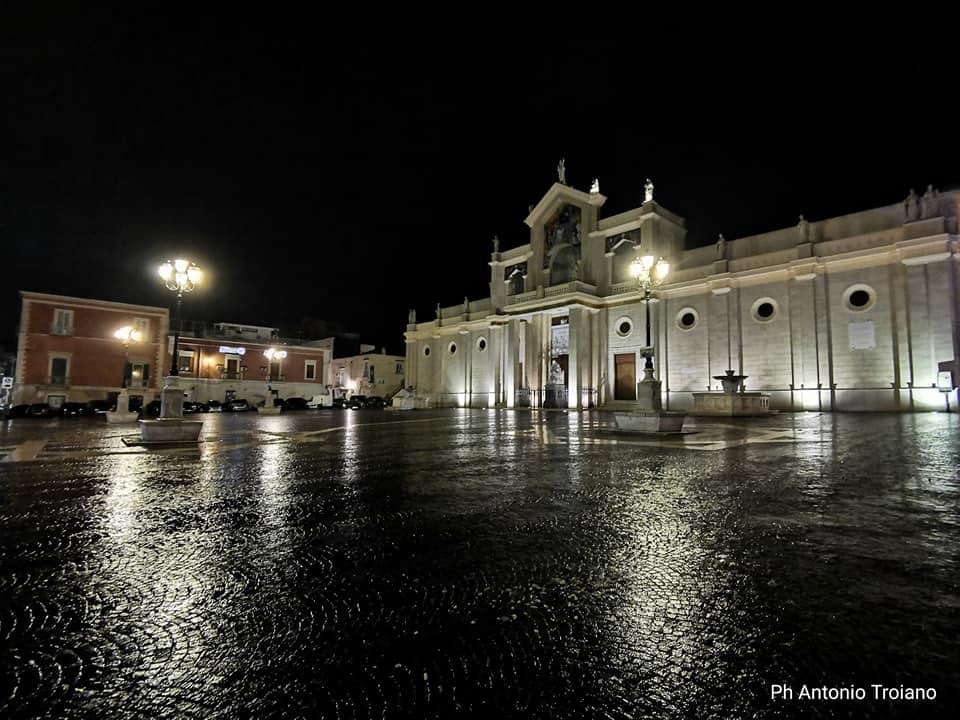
x,y
462,563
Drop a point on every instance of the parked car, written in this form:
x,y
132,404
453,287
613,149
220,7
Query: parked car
x,y
98,407
190,407
320,401
239,405
376,402
214,406
39,410
75,409
151,409
358,402
295,403
339,403
19,411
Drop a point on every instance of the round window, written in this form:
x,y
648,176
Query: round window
x,y
687,319
482,344
453,348
426,351
859,297
765,309
624,327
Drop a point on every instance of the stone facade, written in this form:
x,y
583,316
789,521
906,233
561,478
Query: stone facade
x,y
851,313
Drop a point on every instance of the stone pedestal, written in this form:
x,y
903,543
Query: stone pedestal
x,y
170,428
404,400
650,417
733,401
268,408
121,414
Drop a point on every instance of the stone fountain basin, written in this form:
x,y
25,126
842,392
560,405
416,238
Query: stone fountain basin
x,y
650,421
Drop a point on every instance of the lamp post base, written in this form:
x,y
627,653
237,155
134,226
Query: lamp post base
x,y
122,414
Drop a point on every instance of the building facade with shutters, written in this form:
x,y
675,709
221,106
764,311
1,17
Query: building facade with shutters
x,y
851,313
67,350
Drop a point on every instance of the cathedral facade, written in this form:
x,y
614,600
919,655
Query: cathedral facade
x,y
852,313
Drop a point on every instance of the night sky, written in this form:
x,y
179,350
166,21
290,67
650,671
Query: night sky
x,y
351,167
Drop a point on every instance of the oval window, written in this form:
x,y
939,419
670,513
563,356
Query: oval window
x,y
859,297
426,351
765,309
687,319
482,344
624,327
453,348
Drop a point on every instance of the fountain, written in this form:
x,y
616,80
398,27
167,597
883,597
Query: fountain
x,y
650,417
733,400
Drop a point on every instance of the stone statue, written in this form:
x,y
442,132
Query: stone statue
x,y
412,317
496,244
595,187
648,191
556,373
721,247
466,304
578,270
929,203
803,229
438,311
562,171
911,207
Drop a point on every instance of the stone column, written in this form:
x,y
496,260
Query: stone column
x,y
510,362
573,358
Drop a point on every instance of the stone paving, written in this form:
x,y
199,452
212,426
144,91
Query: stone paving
x,y
466,563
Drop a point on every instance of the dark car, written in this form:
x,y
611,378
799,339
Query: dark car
x,y
151,409
357,402
238,406
339,403
98,407
19,411
39,410
295,403
376,402
75,409
190,407
214,406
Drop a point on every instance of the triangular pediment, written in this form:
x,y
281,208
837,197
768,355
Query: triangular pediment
x,y
559,194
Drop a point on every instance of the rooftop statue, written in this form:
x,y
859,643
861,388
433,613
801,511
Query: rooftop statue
x,y
803,229
496,244
721,247
562,171
412,317
911,207
438,311
648,191
930,203
595,187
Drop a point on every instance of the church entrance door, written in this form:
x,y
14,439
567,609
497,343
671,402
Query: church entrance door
x,y
625,377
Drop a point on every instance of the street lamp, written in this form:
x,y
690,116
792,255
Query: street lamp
x,y
181,276
650,273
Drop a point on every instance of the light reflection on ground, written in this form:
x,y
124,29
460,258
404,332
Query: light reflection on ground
x,y
456,563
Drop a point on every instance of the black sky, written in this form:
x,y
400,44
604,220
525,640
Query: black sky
x,y
351,167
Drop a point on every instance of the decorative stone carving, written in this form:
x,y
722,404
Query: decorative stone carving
x,y
803,230
562,171
496,244
466,305
911,207
412,317
438,312
556,373
595,187
648,191
721,247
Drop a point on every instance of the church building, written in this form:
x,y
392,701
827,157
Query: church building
x,y
851,313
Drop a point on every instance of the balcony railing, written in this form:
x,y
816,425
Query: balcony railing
x,y
61,330
58,380
231,375
275,378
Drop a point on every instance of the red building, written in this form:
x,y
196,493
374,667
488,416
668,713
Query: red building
x,y
68,352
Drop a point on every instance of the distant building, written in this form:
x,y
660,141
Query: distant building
x,y
370,374
858,312
225,361
67,351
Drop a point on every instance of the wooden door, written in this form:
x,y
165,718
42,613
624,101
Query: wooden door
x,y
625,377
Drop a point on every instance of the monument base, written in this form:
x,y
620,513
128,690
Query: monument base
x,y
719,404
661,422
170,431
116,416
270,409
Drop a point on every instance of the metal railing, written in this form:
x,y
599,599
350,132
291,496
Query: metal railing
x,y
61,329
58,380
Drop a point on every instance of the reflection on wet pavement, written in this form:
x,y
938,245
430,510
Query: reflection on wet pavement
x,y
458,563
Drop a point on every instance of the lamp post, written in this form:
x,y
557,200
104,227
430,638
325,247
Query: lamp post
x,y
650,273
271,354
180,276
121,413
